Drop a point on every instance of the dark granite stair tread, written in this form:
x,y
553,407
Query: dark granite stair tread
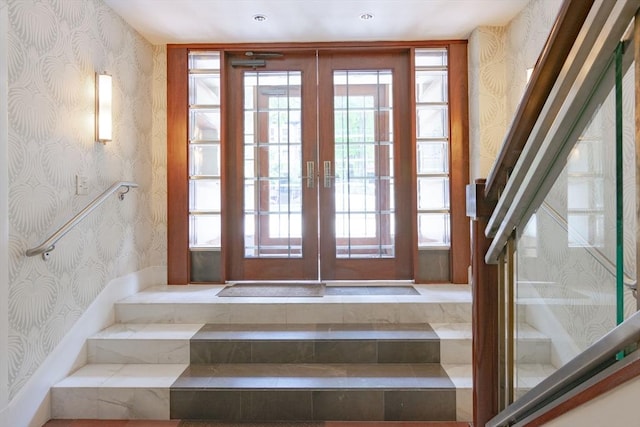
x,y
282,332
314,376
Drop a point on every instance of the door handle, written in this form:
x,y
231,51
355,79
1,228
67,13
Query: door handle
x,y
327,174
311,174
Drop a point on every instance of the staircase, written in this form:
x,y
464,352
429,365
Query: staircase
x,y
184,353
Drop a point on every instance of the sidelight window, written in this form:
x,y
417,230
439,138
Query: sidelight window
x,y
432,148
204,150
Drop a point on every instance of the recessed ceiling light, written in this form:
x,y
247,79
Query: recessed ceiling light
x,y
366,16
259,17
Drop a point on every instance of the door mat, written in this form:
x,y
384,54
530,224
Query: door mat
x,y
273,290
371,290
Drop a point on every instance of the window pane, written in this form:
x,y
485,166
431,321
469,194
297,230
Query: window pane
x,y
285,225
431,57
250,195
433,121
433,229
204,230
204,195
204,89
431,86
433,193
205,125
204,160
204,60
433,157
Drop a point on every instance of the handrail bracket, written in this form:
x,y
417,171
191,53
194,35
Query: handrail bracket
x,y
46,247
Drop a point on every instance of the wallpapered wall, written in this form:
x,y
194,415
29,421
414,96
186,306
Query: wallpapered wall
x,y
54,49
487,98
4,212
494,54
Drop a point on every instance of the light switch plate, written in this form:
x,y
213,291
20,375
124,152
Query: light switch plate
x,y
82,185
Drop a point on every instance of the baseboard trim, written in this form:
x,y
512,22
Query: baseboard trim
x,y
31,406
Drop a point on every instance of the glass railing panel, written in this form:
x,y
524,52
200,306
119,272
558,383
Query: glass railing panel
x,y
629,160
565,280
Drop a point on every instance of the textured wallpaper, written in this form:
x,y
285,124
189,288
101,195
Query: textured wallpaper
x,y
487,100
525,37
54,49
498,61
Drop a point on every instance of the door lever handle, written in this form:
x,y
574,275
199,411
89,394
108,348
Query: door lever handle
x,y
327,174
311,174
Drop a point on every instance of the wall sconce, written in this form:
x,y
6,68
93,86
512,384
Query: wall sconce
x,y
104,112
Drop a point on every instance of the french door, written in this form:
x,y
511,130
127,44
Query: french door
x,y
319,168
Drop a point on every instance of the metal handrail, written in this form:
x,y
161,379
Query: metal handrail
x,y
601,258
599,355
48,245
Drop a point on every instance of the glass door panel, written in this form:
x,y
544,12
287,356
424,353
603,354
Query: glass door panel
x,y
363,151
273,164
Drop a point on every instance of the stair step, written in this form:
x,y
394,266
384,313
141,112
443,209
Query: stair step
x,y
216,392
185,343
116,391
531,374
200,304
312,392
142,343
337,357
532,346
313,375
455,342
310,343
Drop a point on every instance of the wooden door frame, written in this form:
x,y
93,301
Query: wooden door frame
x,y
178,252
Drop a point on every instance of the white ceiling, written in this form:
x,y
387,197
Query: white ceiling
x,y
231,21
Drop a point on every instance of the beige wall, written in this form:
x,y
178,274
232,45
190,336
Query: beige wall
x,y
615,408
54,49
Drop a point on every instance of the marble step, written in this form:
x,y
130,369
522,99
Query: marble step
x,y
529,375
314,392
200,304
141,367
198,343
219,392
142,343
311,343
171,343
116,391
532,347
